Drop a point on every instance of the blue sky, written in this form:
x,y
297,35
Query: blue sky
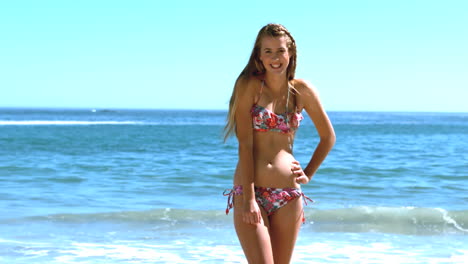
x,y
361,55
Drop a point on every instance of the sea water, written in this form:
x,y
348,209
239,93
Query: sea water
x,y
145,186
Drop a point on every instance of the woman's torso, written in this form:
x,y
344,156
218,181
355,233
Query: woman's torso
x,y
273,160
272,149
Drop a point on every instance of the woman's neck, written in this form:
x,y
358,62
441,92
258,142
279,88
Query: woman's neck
x,y
276,83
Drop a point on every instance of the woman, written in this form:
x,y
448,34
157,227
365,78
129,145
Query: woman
x,y
264,112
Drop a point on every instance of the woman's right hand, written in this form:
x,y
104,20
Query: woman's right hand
x,y
251,214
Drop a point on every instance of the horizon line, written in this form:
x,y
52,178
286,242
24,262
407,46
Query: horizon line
x,y
101,109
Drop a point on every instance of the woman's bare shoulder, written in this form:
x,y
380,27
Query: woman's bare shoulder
x,y
305,88
247,86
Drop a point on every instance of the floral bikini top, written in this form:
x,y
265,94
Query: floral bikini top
x,y
266,120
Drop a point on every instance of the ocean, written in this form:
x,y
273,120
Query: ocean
x,y
145,186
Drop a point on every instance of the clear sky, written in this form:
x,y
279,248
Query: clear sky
x,y
399,55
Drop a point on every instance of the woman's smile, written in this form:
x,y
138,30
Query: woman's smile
x,y
275,54
276,66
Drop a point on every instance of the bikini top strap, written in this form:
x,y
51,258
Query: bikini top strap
x,y
261,91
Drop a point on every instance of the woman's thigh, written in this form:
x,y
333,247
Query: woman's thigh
x,y
284,228
254,239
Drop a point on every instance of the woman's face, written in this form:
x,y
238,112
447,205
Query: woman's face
x,y
274,54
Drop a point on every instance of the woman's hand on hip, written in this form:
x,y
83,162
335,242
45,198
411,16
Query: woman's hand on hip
x,y
296,169
251,214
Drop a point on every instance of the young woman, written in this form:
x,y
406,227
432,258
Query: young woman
x,y
264,113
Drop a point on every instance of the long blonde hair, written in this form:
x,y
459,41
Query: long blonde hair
x,y
255,68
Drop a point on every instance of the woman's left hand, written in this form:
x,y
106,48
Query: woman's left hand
x,y
301,177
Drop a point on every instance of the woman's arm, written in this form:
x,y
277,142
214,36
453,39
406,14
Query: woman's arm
x,y
246,89
311,102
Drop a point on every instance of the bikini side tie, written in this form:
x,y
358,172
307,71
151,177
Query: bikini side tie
x,y
230,194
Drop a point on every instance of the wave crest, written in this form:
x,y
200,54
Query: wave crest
x,y
402,220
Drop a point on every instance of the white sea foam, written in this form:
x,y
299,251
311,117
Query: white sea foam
x,y
450,220
189,251
18,242
134,253
386,249
131,252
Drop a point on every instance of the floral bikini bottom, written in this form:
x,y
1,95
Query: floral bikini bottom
x,y
270,199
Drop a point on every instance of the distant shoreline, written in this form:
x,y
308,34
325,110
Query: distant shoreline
x,y
101,110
